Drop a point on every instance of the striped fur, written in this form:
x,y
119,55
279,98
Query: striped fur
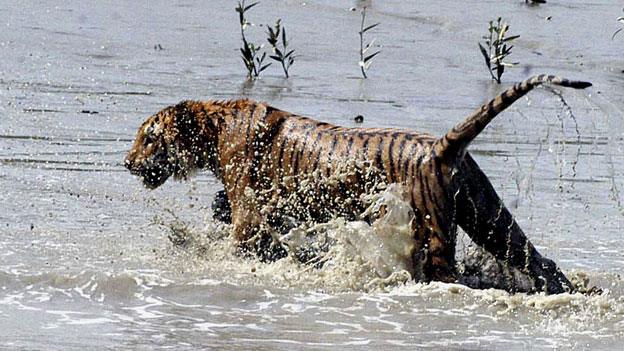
x,y
458,138
264,155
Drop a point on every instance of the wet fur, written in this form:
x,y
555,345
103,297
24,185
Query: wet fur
x,y
263,155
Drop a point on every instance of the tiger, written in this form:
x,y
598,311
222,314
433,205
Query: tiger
x,y
262,154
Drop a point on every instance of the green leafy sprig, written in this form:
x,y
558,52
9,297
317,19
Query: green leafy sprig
x,y
366,60
285,57
497,48
250,52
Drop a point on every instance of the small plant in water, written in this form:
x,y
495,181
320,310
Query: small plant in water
x,y
497,49
366,60
250,52
283,56
621,20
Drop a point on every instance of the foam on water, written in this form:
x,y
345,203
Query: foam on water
x,y
352,255
375,260
365,284
350,295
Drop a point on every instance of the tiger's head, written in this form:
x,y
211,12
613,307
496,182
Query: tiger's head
x,y
176,141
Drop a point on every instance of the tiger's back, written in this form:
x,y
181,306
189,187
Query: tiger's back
x,y
304,146
314,171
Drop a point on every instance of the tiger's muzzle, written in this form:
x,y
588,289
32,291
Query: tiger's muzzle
x,y
153,173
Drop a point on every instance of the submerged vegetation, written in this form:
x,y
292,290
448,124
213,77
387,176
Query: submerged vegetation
x,y
283,56
366,60
250,52
253,55
497,49
621,20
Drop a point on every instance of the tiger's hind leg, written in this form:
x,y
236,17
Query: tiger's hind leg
x,y
486,220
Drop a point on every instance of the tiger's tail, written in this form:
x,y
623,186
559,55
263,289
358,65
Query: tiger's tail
x,y
453,145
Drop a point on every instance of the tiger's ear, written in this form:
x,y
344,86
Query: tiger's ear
x,y
183,112
185,120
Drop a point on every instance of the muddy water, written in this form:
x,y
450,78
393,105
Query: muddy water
x,y
84,256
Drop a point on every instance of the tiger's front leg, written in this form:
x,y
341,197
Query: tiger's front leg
x,y
252,232
221,209
251,210
483,216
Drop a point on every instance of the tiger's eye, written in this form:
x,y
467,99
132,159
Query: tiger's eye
x,y
148,130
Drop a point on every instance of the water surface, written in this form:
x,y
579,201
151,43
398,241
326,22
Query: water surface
x,y
84,263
